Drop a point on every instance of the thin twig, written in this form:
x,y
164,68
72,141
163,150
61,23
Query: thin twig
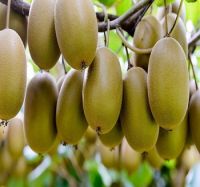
x,y
120,20
63,64
108,33
8,14
177,17
166,24
193,71
194,39
24,7
127,55
131,47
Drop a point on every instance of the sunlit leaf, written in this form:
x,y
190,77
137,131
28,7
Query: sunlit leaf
x,y
162,2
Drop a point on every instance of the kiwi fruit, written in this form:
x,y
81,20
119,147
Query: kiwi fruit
x,y
194,118
17,22
70,117
54,148
42,40
171,143
175,7
147,33
179,31
130,160
12,73
154,159
114,137
40,113
20,168
76,30
172,8
6,160
109,157
168,83
138,124
102,91
15,137
161,11
90,136
190,157
60,82
3,133
192,87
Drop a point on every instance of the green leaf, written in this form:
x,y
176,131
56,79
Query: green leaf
x,y
192,12
143,176
122,6
72,170
191,1
162,2
108,3
114,41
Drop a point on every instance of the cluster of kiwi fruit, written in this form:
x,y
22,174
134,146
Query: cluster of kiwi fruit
x,y
150,106
12,142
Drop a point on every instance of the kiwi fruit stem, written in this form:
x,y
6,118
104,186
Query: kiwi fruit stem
x,y
8,14
63,64
178,15
166,24
193,71
131,47
108,31
106,37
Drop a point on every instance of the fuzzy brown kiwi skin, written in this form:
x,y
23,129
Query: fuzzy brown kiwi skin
x,y
114,137
13,69
102,81
77,31
179,31
147,33
130,159
194,118
42,40
15,143
139,127
17,22
70,116
170,144
168,102
39,113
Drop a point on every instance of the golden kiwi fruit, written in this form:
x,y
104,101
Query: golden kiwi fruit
x,y
194,118
90,136
20,169
102,91
17,22
130,160
171,143
15,137
179,31
154,159
40,113
70,118
172,8
168,87
6,160
42,40
109,158
114,137
147,33
60,82
192,87
138,124
76,30
12,73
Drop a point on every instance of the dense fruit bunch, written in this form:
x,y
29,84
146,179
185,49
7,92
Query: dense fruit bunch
x,y
149,106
